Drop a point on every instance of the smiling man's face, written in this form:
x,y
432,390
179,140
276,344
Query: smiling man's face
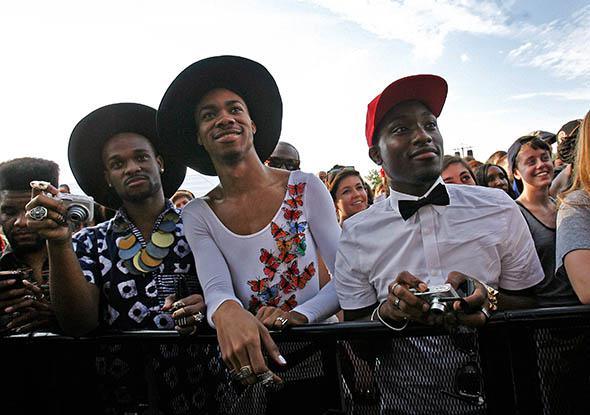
x,y
409,146
224,126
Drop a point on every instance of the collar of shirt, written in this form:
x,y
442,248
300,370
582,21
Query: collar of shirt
x,y
122,214
395,197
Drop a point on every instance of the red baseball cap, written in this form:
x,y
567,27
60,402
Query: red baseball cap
x,y
431,90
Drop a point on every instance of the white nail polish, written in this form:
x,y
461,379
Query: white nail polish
x,y
282,360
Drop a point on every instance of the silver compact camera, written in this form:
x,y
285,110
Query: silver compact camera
x,y
79,208
440,297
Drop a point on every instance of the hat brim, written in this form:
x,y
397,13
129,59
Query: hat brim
x,y
249,79
431,90
92,132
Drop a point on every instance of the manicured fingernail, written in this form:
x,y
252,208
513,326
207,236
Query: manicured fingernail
x,y
282,360
425,307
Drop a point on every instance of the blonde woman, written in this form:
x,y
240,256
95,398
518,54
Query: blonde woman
x,y
573,220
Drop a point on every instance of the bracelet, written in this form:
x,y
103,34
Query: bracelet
x,y
389,326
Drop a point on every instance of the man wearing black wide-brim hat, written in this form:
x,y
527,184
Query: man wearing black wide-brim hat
x,y
259,232
135,271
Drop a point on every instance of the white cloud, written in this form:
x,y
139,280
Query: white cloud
x,y
423,24
573,95
465,57
560,47
515,53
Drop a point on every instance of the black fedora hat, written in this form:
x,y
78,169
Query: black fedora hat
x,y
247,78
90,135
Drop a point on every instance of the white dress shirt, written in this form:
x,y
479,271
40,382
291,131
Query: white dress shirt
x,y
481,233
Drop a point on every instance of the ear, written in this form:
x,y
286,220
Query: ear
x,y
199,141
516,174
160,162
106,178
253,127
375,155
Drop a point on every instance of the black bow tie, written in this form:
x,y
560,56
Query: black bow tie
x,y
438,196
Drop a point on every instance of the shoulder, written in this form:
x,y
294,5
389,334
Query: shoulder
x,y
368,217
574,208
309,179
195,210
479,196
577,197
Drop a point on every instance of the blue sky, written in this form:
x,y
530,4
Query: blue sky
x,y
512,67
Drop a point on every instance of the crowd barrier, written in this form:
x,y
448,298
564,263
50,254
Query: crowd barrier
x,y
521,362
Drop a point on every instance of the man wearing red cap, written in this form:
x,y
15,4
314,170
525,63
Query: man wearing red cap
x,y
426,234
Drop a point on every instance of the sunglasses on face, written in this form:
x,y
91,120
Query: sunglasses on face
x,y
280,163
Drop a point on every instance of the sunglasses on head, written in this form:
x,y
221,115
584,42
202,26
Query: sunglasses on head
x,y
281,163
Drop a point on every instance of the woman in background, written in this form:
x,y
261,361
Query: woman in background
x,y
348,192
531,165
573,220
492,175
455,170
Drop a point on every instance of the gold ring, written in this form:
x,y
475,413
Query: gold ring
x,y
243,373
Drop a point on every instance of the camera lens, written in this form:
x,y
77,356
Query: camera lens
x,y
77,213
437,307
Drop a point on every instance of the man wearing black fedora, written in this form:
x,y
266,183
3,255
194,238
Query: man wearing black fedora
x,y
135,271
257,235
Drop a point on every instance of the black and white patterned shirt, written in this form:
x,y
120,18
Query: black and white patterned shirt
x,y
128,301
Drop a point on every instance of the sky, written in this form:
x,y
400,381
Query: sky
x,y
512,66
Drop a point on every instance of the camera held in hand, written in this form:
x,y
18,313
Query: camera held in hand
x,y
441,297
79,208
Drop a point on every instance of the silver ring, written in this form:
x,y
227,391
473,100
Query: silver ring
x,y
282,320
266,378
38,213
178,305
198,317
396,302
30,297
486,313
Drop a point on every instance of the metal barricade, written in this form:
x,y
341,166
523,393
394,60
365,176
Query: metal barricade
x,y
522,362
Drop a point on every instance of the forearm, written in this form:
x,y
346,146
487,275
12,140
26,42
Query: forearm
x,y
75,301
323,305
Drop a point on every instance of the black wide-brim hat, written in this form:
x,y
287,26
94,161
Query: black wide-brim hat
x,y
247,78
92,132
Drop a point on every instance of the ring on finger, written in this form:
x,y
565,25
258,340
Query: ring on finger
x,y
243,373
30,297
38,213
393,287
178,305
396,302
266,378
198,317
283,321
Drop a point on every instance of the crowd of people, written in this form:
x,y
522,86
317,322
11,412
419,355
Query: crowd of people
x,y
271,246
